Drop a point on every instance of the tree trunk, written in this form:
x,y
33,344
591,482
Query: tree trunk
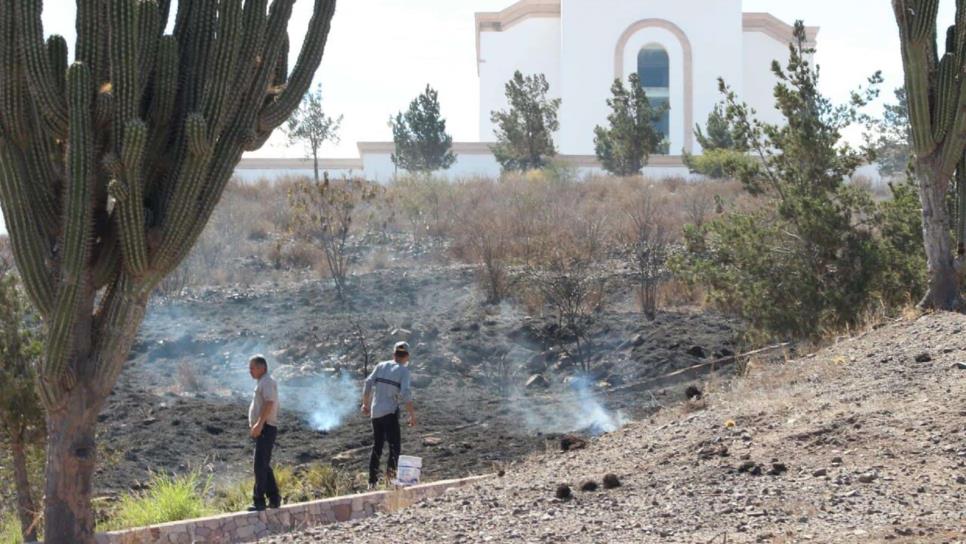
x,y
26,509
943,292
71,455
315,161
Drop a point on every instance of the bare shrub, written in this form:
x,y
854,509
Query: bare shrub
x,y
323,212
573,289
647,251
187,379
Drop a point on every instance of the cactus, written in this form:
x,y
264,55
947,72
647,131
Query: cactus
x,y
937,114
109,170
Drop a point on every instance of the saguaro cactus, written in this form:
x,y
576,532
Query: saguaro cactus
x,y
937,113
109,171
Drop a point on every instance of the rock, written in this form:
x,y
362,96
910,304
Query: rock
x,y
432,441
611,481
836,460
692,393
570,442
750,467
777,469
563,492
537,381
961,480
698,351
638,340
923,357
820,472
960,366
867,478
588,485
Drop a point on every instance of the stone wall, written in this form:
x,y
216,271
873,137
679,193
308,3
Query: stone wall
x,y
251,526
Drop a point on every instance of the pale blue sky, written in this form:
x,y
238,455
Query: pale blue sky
x,y
381,53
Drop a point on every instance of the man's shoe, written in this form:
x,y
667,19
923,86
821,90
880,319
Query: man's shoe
x,y
372,487
274,505
256,508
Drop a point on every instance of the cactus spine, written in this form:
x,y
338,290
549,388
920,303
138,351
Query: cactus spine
x,y
111,167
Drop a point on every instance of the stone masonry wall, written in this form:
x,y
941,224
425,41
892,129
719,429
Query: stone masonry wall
x,y
251,526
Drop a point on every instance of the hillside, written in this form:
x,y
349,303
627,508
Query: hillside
x,y
864,441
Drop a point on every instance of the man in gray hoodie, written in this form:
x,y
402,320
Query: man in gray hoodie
x,y
389,385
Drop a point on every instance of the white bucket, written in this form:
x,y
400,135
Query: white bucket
x,y
408,469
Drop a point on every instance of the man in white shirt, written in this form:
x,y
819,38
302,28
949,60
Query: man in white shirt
x,y
263,428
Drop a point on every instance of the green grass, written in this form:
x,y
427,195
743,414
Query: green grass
x,y
166,499
296,485
10,529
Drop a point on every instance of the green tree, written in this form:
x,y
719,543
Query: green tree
x,y
109,172
937,115
524,133
310,125
720,153
810,258
624,147
422,144
21,413
891,136
719,131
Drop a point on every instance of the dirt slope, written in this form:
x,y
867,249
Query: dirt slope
x,y
863,442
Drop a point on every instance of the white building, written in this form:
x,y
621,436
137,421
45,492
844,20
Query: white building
x,y
678,47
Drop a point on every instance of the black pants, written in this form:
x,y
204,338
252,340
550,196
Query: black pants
x,y
265,486
384,429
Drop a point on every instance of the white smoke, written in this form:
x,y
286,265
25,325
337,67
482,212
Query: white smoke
x,y
577,408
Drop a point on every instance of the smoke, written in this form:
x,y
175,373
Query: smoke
x,y
321,397
310,390
325,402
577,408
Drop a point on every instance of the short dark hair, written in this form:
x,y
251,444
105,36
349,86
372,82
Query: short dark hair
x,y
259,360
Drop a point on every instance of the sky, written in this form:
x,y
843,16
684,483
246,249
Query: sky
x,y
382,53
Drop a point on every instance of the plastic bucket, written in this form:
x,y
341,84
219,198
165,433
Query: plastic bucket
x,y
407,472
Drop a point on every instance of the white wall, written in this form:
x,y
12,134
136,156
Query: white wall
x,y
379,167
531,46
759,84
590,33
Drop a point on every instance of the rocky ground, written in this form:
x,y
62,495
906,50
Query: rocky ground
x,y
181,402
864,441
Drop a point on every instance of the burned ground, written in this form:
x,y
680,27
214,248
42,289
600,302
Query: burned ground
x,y
182,401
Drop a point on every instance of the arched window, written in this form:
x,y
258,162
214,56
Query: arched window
x,y
654,70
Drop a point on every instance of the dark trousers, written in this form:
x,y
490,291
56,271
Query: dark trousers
x,y
384,429
265,486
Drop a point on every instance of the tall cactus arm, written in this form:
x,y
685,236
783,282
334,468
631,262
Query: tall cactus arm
x,y
165,90
310,56
115,324
195,36
57,56
41,158
88,45
125,65
190,182
37,66
914,25
129,194
107,260
150,28
249,57
78,230
13,122
31,246
221,75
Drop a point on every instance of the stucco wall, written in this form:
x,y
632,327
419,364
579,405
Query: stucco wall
x,y
759,81
590,33
531,46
